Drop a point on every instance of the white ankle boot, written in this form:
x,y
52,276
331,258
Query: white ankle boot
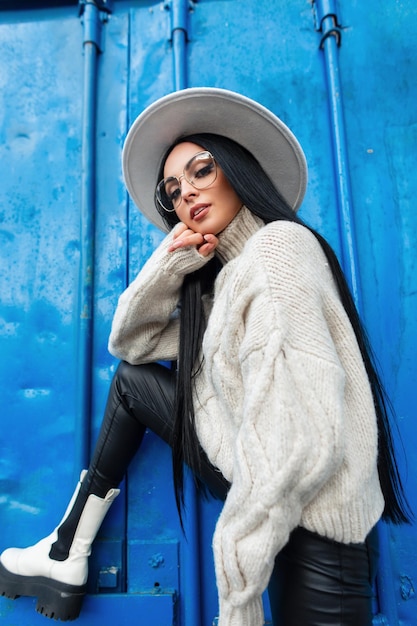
x,y
59,585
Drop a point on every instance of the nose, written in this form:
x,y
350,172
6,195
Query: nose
x,y
187,189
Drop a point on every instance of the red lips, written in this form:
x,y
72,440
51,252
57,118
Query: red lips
x,y
198,211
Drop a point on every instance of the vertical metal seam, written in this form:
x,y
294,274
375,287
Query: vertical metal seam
x,y
91,33
179,13
329,26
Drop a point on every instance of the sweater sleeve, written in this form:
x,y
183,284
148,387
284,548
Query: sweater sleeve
x,y
289,441
145,326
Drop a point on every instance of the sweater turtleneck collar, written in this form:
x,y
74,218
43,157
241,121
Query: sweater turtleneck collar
x,y
233,238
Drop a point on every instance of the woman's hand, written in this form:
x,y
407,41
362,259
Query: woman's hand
x,y
184,236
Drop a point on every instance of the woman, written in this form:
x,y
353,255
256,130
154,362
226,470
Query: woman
x,y
274,404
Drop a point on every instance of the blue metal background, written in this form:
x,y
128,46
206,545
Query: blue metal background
x,y
72,78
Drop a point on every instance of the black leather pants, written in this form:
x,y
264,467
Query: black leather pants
x,y
141,396
316,582
319,582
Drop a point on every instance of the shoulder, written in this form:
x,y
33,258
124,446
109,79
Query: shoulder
x,y
287,246
282,260
290,235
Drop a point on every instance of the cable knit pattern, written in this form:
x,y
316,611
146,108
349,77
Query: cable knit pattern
x,y
283,404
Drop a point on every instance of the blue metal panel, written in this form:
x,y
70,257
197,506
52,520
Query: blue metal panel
x,y
40,114
378,58
269,51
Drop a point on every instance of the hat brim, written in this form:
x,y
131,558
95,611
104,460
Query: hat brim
x,y
210,110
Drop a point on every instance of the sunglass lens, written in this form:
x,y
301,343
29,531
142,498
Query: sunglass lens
x,y
168,193
201,170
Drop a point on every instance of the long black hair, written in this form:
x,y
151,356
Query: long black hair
x,y
259,194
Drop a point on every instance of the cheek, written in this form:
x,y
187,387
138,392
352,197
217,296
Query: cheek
x,y
234,203
230,197
182,213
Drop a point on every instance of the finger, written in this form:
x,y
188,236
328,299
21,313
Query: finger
x,y
179,229
187,240
206,249
210,243
212,239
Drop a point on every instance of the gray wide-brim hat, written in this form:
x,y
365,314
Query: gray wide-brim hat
x,y
210,110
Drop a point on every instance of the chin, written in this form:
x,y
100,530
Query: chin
x,y
203,229
209,228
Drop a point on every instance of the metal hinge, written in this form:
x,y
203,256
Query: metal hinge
x,y
327,21
179,11
102,5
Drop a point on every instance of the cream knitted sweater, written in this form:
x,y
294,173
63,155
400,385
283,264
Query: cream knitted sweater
x,y
283,404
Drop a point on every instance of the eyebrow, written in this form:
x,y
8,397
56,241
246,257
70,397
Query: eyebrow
x,y
187,161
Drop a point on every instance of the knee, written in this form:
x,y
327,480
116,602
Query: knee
x,y
126,373
132,379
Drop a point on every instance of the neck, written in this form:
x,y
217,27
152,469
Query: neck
x,y
233,238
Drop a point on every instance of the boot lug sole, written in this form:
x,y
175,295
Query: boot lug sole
x,y
55,600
